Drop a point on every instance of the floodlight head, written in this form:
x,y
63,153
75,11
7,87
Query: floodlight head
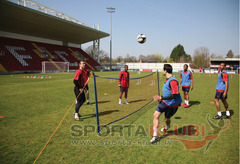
x,y
110,9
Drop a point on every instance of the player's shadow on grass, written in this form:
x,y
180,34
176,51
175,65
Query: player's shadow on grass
x,y
128,121
99,114
101,102
177,118
191,103
133,101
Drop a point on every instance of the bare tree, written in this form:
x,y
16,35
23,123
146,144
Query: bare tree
x,y
100,56
201,58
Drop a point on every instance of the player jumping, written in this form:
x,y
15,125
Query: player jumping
x,y
221,92
169,101
186,81
123,84
79,81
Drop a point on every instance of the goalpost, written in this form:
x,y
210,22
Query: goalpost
x,y
52,66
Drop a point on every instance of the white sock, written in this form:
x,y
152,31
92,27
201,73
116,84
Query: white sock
x,y
167,127
154,134
187,102
87,101
155,131
125,99
120,100
76,115
220,113
227,113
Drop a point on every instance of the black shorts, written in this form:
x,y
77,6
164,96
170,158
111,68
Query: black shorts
x,y
219,95
123,89
185,89
163,108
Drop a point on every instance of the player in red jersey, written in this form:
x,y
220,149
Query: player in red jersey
x,y
187,84
221,92
168,102
123,84
79,81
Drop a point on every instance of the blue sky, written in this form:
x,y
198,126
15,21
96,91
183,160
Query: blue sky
x,y
166,23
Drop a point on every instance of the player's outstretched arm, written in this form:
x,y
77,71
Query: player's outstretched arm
x,y
157,98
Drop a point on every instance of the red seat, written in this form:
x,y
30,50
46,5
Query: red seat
x,y
19,55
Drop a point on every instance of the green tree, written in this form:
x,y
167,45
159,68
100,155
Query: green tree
x,y
158,57
230,54
169,60
188,58
118,59
177,52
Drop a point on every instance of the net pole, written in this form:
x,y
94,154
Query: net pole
x,y
96,102
158,83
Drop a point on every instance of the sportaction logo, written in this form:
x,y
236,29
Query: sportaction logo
x,y
139,142
196,131
79,133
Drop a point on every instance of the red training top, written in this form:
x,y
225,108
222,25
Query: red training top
x,y
80,76
173,87
124,79
87,74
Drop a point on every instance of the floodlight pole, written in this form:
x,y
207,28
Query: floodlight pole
x,y
110,10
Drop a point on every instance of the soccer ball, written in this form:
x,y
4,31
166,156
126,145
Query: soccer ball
x,y
141,38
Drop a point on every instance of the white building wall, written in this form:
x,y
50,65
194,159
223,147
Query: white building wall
x,y
153,66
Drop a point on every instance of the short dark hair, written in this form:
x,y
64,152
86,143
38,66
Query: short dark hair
x,y
168,68
223,63
186,65
125,66
79,62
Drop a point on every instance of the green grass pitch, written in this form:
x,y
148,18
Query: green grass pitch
x,y
33,107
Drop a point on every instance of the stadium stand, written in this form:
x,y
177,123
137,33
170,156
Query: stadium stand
x,y
26,56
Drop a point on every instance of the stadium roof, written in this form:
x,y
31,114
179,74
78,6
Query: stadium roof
x,y
23,20
224,59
